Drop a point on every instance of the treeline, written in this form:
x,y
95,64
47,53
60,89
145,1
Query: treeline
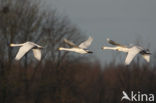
x,y
73,82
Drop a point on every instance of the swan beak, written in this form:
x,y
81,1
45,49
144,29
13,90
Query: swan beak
x,y
103,48
59,48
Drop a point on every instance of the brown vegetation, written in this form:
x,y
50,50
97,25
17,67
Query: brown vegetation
x,y
73,82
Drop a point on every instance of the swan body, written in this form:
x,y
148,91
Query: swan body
x,y
132,51
80,48
117,48
25,47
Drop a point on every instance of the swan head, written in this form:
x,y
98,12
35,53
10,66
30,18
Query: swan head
x,y
59,48
103,48
11,45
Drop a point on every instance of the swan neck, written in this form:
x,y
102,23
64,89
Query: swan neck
x,y
112,48
16,45
61,48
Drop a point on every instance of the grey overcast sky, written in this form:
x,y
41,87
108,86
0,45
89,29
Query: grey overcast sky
x,y
124,21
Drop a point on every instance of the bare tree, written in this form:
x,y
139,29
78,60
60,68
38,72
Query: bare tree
x,y
23,21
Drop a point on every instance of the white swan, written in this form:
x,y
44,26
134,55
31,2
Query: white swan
x,y
82,48
132,51
27,46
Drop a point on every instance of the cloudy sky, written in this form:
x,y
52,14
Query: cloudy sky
x,y
124,21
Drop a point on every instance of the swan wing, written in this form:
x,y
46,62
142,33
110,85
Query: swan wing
x,y
23,50
86,43
37,54
131,54
146,57
70,43
114,43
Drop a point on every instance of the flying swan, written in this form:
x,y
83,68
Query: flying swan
x,y
132,51
27,46
82,48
